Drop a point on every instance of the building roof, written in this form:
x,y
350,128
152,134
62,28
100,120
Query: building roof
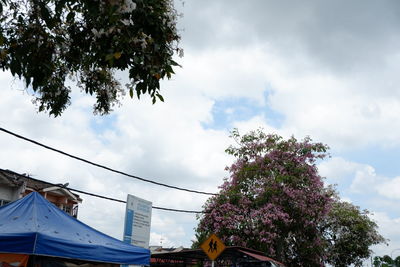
x,y
191,256
5,179
13,179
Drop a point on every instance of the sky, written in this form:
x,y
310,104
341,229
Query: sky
x,y
324,69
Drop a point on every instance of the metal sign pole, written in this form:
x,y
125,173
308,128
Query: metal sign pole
x,y
212,263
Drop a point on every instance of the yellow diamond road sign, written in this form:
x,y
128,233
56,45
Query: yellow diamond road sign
x,y
213,247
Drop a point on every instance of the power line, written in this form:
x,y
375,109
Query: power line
x,y
100,196
123,201
104,167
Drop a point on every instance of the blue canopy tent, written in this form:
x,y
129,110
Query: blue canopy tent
x,y
34,226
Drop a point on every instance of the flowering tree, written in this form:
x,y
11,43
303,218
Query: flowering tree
x,y
275,201
44,42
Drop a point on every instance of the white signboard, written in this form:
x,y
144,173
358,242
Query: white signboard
x,y
137,222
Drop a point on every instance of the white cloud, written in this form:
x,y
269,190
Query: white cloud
x,y
365,180
343,111
160,240
362,177
226,73
337,169
391,188
389,228
330,79
329,109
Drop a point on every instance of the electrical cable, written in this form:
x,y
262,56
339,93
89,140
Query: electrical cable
x,y
123,201
99,196
104,167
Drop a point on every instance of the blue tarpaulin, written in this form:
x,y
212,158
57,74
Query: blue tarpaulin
x,y
34,226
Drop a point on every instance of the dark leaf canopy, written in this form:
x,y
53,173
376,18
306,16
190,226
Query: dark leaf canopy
x,y
45,42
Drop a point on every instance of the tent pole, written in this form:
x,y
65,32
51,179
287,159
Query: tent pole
x,y
33,260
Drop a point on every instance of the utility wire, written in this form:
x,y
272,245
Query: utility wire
x,y
123,201
100,196
104,167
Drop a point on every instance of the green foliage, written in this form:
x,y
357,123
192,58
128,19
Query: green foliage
x,y
349,233
386,261
200,238
44,42
275,201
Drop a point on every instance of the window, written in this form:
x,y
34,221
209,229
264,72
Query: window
x,y
67,209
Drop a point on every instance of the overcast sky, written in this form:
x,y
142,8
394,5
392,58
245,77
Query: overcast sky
x,y
324,69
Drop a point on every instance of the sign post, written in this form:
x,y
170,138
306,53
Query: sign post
x,y
213,247
137,222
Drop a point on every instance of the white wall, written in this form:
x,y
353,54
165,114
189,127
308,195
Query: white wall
x,y
6,193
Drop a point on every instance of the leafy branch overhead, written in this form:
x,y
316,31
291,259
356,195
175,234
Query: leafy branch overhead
x,y
44,42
